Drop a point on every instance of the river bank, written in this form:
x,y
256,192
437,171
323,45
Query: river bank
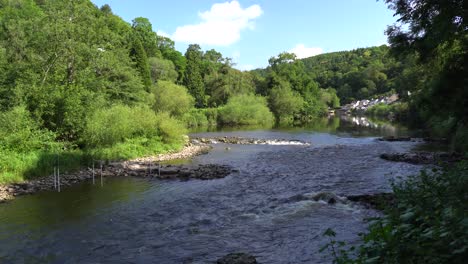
x,y
140,167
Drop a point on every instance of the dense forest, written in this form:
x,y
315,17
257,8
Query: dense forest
x,y
77,77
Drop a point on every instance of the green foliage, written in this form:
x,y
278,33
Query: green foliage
x,y
195,118
162,69
141,60
172,131
19,132
246,109
356,74
428,224
118,123
226,82
17,167
396,111
134,148
193,75
201,117
147,36
284,102
329,97
172,98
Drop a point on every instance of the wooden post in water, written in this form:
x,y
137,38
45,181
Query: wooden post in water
x,y
55,178
159,169
58,172
150,168
93,174
101,176
58,178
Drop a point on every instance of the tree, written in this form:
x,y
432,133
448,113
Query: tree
x,y
144,30
284,102
138,54
430,24
193,76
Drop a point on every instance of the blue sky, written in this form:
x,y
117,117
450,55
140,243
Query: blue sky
x,y
252,31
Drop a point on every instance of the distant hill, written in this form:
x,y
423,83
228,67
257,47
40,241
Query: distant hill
x,y
355,74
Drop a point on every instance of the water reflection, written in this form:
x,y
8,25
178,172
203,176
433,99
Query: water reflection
x,y
357,126
364,126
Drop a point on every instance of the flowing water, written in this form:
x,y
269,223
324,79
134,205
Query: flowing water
x,y
254,210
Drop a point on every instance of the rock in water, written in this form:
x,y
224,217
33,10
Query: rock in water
x,y
392,138
378,201
237,258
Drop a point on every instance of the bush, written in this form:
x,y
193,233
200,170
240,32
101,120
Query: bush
x,y
170,130
119,123
107,127
246,109
172,98
195,118
203,117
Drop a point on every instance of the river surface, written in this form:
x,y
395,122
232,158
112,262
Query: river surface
x,y
130,220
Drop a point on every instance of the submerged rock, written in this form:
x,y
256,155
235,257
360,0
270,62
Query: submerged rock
x,y
237,258
327,197
423,157
378,201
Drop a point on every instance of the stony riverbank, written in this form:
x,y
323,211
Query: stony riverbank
x,y
142,167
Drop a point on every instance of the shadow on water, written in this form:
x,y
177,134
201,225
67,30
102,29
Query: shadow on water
x,y
49,209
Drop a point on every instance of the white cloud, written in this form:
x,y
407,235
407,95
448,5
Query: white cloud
x,y
302,51
220,26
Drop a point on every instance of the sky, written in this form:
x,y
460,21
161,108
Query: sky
x,y
252,31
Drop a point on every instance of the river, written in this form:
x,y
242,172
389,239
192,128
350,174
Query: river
x,y
133,220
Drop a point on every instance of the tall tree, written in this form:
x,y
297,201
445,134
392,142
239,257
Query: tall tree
x,y
148,37
138,54
193,75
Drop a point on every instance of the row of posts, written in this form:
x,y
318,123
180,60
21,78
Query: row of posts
x,y
57,173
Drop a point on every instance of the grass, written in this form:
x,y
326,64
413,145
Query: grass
x,y
19,167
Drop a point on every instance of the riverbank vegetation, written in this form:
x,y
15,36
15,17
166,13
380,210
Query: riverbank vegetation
x,y
427,223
